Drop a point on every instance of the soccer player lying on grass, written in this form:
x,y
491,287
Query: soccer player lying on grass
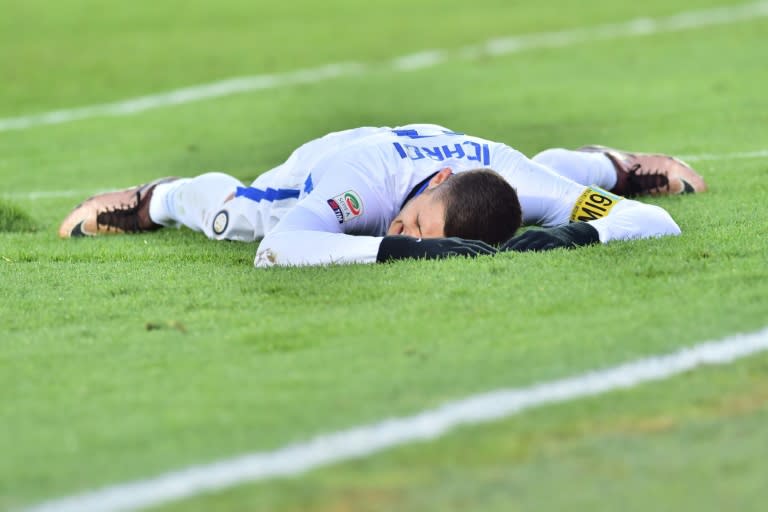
x,y
417,191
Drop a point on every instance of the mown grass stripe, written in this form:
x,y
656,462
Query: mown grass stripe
x,y
424,59
369,439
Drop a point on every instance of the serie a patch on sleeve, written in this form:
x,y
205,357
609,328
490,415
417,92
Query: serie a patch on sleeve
x,y
346,206
593,203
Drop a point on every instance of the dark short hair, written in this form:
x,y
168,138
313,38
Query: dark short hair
x,y
480,205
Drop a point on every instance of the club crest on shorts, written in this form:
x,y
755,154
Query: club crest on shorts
x,y
346,206
220,222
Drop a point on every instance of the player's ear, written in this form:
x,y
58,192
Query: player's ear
x,y
440,177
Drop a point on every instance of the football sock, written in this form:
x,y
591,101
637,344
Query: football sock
x,y
161,206
582,167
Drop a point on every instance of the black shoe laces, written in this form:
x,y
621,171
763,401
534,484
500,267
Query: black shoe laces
x,y
124,217
641,183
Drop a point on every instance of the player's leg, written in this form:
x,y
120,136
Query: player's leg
x,y
224,209
583,168
207,203
192,202
199,203
624,173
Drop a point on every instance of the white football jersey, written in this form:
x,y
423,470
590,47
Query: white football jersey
x,y
356,181
334,198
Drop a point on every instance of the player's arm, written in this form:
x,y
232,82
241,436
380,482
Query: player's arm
x,y
303,247
309,247
630,220
331,226
599,217
573,215
313,231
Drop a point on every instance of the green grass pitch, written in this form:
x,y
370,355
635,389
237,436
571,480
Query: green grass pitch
x,y
124,357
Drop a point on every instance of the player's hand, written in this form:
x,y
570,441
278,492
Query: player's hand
x,y
400,247
569,236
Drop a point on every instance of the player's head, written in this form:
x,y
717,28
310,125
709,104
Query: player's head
x,y
476,205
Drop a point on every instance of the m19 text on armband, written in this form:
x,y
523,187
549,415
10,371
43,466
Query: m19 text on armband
x,y
594,203
468,149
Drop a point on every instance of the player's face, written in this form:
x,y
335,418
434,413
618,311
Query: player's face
x,y
421,217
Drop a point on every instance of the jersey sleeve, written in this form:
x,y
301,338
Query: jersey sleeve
x,y
546,198
630,220
341,221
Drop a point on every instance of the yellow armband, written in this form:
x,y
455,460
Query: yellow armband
x,y
593,203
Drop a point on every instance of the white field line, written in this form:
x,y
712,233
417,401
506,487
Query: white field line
x,y
491,48
45,194
55,194
366,440
762,153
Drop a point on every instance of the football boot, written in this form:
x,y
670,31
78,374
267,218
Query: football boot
x,y
639,174
123,211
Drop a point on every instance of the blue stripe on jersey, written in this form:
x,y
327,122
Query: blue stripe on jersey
x,y
414,134
269,194
308,185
